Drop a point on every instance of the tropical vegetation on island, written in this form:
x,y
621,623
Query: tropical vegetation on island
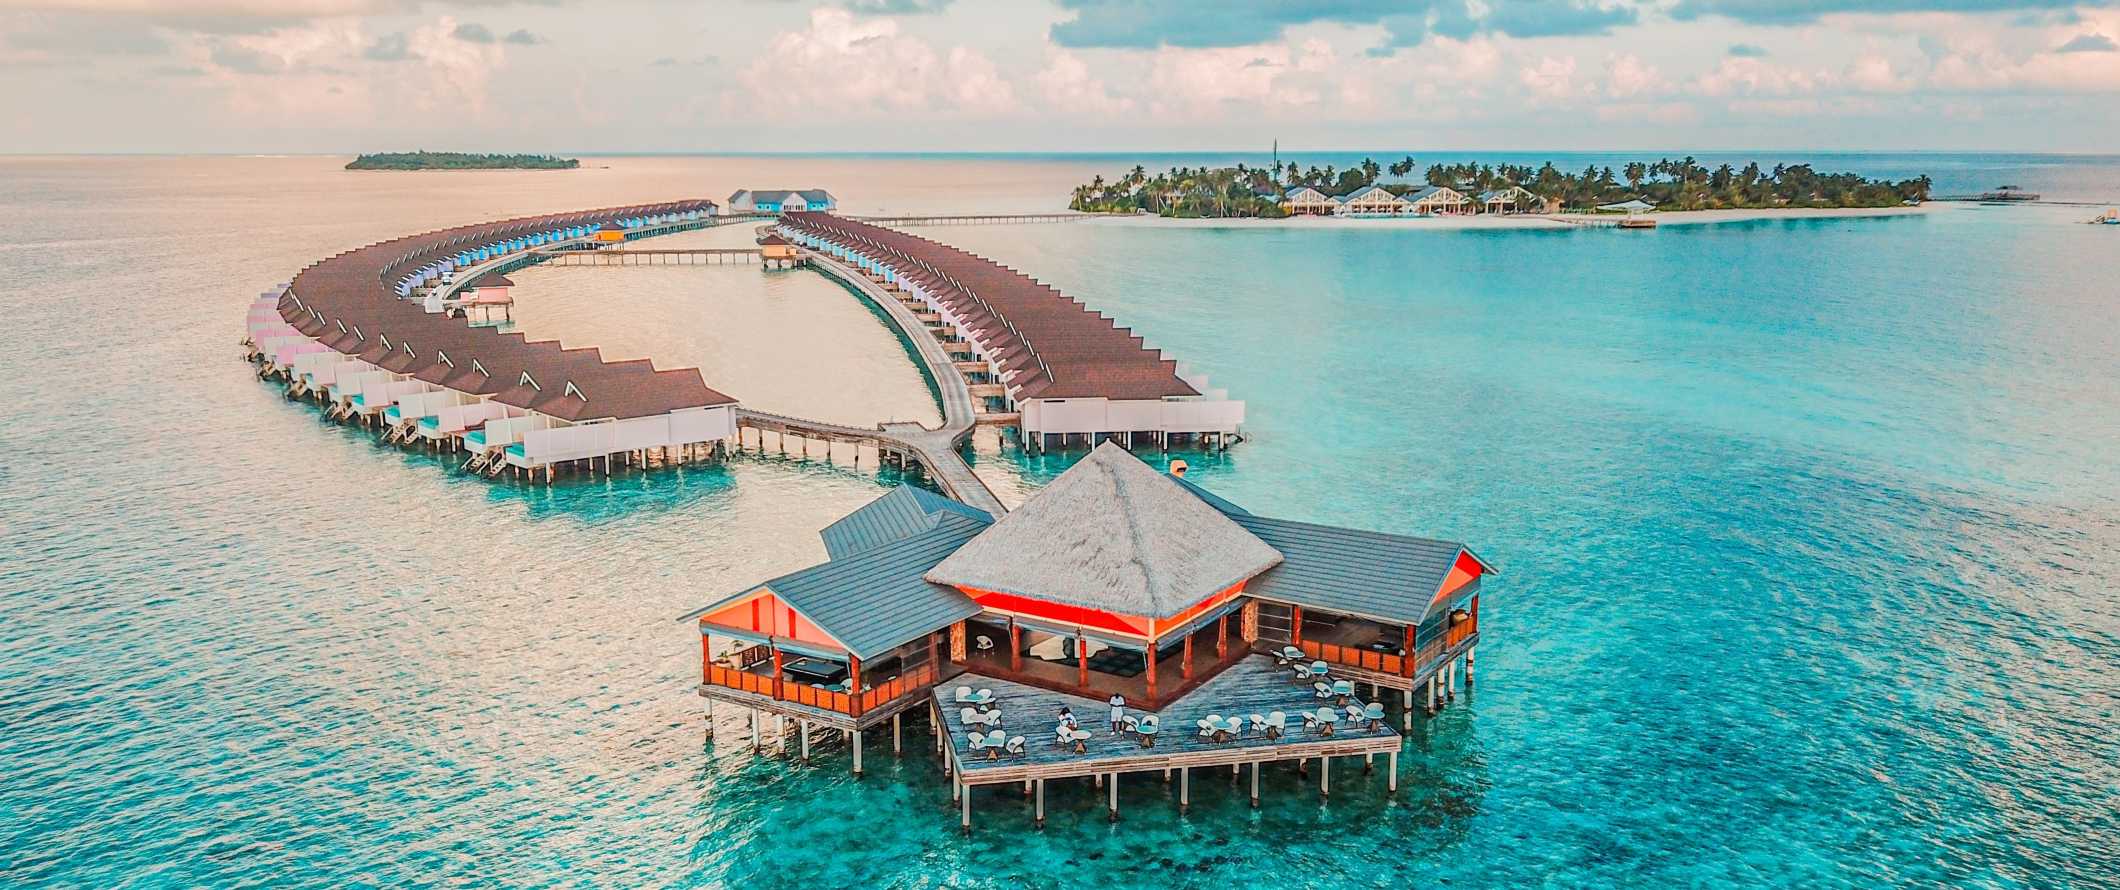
x,y
1683,184
456,160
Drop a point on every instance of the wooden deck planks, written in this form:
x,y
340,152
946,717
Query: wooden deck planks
x,y
1252,686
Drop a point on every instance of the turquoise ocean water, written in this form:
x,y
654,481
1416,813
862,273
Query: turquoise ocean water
x,y
1809,532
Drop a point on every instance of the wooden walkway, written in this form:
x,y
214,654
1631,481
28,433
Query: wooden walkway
x,y
702,256
936,449
1253,686
973,219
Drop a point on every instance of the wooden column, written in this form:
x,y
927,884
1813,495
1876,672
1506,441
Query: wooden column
x,y
1015,646
1295,626
854,684
957,643
1185,662
706,657
1248,623
1039,811
1255,784
776,672
1149,654
1406,663
854,735
1222,637
897,738
1081,660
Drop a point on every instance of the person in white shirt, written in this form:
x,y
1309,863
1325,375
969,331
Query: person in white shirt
x,y
1118,704
1067,718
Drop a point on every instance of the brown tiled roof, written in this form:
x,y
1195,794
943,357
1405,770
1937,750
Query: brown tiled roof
x,y
1049,345
355,288
491,279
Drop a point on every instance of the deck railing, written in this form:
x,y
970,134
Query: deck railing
x,y
738,674
1355,656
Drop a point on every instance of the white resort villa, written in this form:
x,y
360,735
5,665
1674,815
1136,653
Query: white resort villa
x,y
1434,200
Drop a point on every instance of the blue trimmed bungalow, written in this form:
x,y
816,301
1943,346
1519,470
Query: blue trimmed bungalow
x,y
782,201
1114,580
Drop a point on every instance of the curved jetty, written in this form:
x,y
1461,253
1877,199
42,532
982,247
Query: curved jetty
x,y
366,332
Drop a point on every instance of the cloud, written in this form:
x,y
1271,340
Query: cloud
x,y
1068,86
865,65
1796,12
244,60
522,37
1627,75
1552,78
87,36
2088,43
393,47
897,7
472,32
1201,24
1747,51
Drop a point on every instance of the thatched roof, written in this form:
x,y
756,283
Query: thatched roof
x,y
1110,534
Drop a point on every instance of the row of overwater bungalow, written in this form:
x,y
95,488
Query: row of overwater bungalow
x,y
362,333
1236,639
1065,370
1377,201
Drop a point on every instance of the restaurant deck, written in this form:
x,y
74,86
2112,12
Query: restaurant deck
x,y
1254,685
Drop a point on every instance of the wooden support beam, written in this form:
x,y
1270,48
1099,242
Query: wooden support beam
x,y
1255,784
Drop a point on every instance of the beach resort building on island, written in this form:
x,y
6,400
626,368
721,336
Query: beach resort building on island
x,y
1434,200
782,201
1121,621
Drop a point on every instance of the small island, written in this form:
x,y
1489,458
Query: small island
x,y
1371,189
456,160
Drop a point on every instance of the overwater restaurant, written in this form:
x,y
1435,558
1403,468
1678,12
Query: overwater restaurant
x,y
1255,639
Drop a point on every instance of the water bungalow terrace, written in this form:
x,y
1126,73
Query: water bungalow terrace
x,y
1067,370
1114,580
405,365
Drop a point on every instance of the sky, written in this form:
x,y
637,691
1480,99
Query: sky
x,y
341,76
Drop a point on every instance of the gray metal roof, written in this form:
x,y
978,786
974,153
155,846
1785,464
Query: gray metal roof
x,y
1392,577
1111,534
901,513
875,600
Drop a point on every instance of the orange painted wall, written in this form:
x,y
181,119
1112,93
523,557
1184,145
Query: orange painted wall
x,y
1465,571
766,614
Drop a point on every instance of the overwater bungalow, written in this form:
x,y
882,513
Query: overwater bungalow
x,y
362,331
782,201
1064,370
1254,639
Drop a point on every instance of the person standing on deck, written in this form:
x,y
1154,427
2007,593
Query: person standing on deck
x,y
1118,704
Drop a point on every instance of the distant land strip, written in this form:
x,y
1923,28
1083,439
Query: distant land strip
x,y
1373,189
455,160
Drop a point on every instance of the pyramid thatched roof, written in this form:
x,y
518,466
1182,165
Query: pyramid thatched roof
x,y
1110,534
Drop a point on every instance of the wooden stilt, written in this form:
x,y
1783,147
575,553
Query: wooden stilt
x,y
1113,788
897,744
1255,784
1324,776
1038,812
854,735
1184,789
1391,782
806,741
